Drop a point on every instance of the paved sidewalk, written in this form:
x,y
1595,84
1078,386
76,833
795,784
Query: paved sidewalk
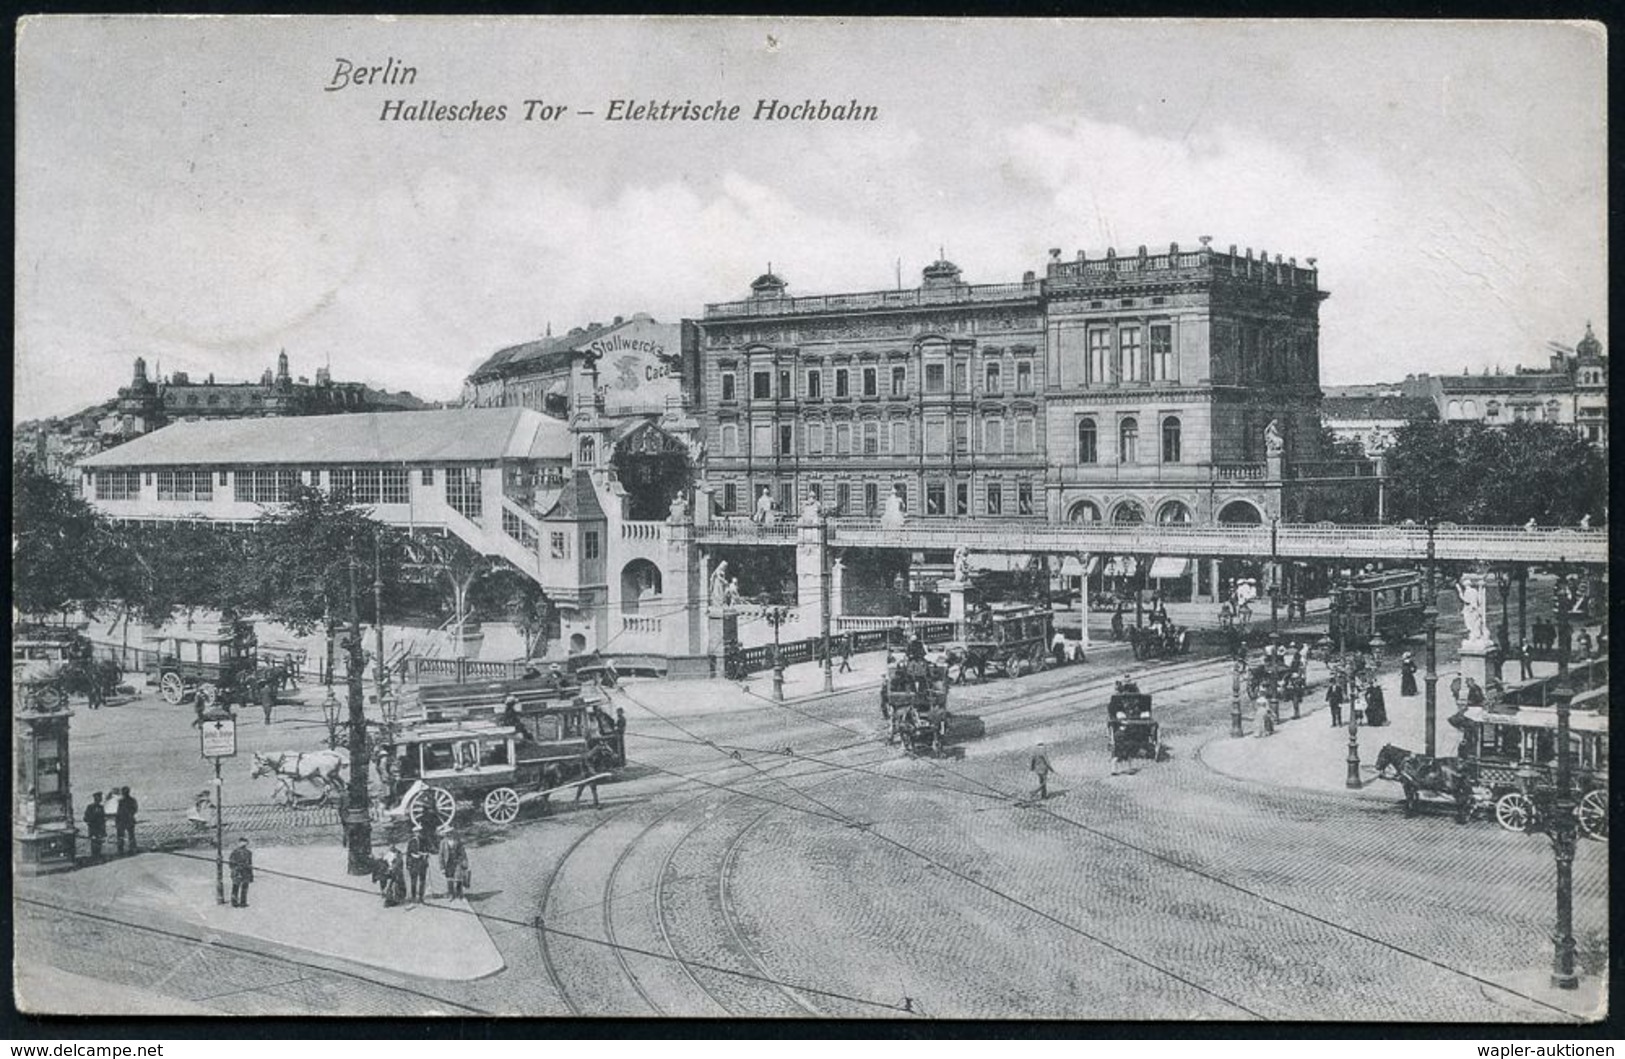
x,y
301,900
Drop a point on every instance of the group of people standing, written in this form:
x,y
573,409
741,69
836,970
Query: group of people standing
x,y
403,878
121,805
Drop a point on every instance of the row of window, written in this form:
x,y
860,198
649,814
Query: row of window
x,y
372,485
1129,352
186,485
1521,411
869,381
874,437
1128,440
1130,512
942,497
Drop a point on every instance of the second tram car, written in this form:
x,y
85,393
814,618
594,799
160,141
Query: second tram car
x,y
1390,602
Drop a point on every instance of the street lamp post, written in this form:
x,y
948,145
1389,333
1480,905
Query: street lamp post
x,y
1272,678
354,815
1352,781
1238,668
1431,616
1561,824
824,594
775,616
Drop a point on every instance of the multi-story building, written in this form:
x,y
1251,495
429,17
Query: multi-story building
x,y
642,365
1164,375
1124,388
1572,389
147,404
931,393
1372,418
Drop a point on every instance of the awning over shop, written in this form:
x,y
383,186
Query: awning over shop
x,y
1072,566
1167,567
1122,566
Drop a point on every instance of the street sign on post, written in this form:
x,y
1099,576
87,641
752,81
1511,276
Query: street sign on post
x,y
218,737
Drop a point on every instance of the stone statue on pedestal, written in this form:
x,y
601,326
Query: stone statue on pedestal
x,y
1274,444
719,586
1470,589
961,565
892,517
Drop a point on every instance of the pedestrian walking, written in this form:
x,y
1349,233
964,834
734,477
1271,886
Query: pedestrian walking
x,y
620,736
592,781
844,646
1334,703
1041,766
1455,688
1526,668
1376,707
1266,719
96,825
124,820
453,863
418,848
1407,676
242,873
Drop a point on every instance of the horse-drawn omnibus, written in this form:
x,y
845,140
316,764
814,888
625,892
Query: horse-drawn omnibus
x,y
1389,602
549,738
914,697
204,662
39,664
1008,638
1503,753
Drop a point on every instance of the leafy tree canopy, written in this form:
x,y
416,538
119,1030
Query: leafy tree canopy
x,y
1475,474
59,545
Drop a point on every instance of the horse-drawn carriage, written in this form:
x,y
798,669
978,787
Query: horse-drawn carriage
x,y
1510,754
1008,638
217,661
549,739
50,663
914,698
1507,765
1131,727
1159,639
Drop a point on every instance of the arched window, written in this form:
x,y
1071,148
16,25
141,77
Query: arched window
x,y
589,451
1170,439
1083,511
1469,408
1088,449
1128,441
1174,513
1128,513
1453,410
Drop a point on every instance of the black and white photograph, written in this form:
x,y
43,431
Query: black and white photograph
x,y
729,518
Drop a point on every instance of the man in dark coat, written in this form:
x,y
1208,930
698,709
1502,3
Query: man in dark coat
x,y
453,863
1376,707
1334,702
124,820
1526,669
242,873
418,849
96,825
1041,766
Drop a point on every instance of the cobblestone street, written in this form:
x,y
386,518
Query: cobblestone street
x,y
783,860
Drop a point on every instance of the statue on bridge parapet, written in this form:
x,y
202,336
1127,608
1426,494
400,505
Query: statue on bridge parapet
x,y
892,517
1274,443
719,586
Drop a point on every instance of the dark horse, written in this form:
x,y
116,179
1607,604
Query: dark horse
x,y
1437,775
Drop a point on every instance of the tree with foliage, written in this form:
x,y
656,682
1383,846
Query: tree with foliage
x,y
1475,474
1352,501
451,563
309,560
518,597
61,551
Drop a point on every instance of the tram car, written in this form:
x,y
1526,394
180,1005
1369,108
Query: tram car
x,y
472,749
1003,638
1389,602
1505,753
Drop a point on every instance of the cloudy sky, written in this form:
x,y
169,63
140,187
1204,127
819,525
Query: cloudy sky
x,y
187,191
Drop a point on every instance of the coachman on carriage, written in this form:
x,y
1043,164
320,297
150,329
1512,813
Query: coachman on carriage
x,y
1131,727
914,699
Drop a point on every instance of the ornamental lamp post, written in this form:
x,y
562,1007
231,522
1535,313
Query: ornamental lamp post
x,y
1272,671
1352,781
1239,666
776,615
1559,814
1430,615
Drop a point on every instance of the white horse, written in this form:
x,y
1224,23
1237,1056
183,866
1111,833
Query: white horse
x,y
325,768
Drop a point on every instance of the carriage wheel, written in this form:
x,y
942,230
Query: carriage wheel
x,y
206,694
501,805
445,806
1012,667
1593,814
172,688
1514,811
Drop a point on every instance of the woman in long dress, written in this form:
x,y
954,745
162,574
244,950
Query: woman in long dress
x,y
1407,676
